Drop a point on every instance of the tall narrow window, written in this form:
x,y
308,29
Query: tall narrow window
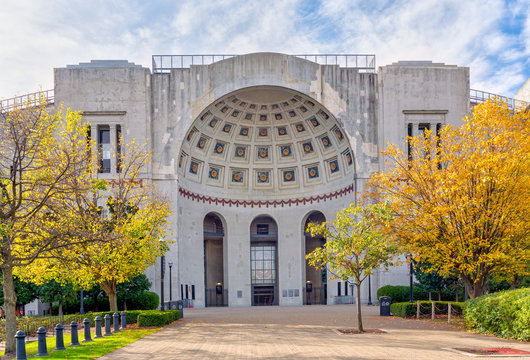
x,y
104,150
438,150
118,149
409,144
339,287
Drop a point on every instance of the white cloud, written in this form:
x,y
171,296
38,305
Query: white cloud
x,y
38,36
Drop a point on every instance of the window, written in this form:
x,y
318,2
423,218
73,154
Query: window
x,y
104,150
262,229
118,149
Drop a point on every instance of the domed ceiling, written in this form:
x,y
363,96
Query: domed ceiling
x,y
265,142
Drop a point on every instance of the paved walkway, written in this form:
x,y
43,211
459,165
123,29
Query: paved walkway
x,y
302,332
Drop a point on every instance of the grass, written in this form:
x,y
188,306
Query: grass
x,y
91,350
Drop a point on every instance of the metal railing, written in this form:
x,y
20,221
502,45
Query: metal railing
x,y
165,63
478,97
27,100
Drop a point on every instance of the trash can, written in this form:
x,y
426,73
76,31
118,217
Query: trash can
x,y
180,306
384,305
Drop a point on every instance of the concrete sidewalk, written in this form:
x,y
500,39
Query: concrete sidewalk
x,y
303,332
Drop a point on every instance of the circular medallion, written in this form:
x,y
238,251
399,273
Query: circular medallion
x,y
263,132
285,152
227,128
314,123
288,176
282,131
212,123
213,173
325,142
219,149
339,134
237,177
312,172
194,168
263,154
244,132
348,157
240,152
307,148
333,166
278,117
201,144
299,128
263,177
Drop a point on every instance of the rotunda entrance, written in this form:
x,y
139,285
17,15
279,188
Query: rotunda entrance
x,y
263,261
216,293
316,279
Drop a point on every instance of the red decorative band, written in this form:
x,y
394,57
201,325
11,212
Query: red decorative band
x,y
264,203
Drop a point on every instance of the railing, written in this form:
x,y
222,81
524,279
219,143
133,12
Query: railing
x,y
27,100
479,97
165,63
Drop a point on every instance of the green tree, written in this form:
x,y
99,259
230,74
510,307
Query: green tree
x,y
355,246
52,291
133,289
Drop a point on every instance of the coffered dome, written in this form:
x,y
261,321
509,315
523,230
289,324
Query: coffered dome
x,y
264,142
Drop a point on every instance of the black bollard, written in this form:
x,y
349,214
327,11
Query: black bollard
x,y
116,322
86,327
75,338
59,343
21,345
97,320
43,349
107,325
123,320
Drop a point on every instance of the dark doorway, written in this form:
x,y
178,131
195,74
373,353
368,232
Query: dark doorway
x,y
216,293
316,279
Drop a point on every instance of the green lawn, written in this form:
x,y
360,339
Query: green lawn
x,y
91,350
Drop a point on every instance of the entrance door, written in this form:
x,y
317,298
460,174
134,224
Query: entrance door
x,y
263,261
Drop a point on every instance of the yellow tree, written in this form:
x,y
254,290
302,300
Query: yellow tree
x,y
462,197
40,155
128,215
355,246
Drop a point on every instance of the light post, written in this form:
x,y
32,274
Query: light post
x,y
162,273
411,277
369,290
82,307
170,264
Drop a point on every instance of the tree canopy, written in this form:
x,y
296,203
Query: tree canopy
x,y
461,199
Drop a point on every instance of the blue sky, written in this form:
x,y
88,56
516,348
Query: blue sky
x,y
492,37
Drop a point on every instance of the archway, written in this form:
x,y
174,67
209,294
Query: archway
x,y
264,261
216,293
316,279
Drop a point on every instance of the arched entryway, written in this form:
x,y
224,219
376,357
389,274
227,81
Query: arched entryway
x,y
264,261
216,293
316,279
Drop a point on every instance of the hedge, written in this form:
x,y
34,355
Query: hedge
x,y
505,313
406,309
157,318
131,316
402,293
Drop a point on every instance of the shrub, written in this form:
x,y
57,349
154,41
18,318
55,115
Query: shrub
x,y
406,309
157,318
402,293
144,301
505,313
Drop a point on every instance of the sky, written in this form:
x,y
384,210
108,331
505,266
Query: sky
x,y
491,37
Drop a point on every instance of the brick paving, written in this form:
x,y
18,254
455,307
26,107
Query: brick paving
x,y
303,332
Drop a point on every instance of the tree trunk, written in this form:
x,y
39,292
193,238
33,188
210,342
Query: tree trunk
x,y
359,315
439,294
110,290
475,289
61,308
10,301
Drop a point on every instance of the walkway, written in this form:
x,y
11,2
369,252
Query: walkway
x,y
302,332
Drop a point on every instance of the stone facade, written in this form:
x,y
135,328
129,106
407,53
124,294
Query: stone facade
x,y
249,148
